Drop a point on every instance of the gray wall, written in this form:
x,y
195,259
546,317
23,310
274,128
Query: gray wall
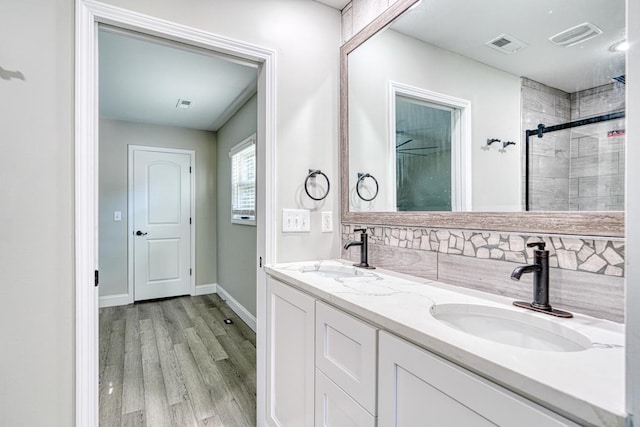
x,y
236,243
36,235
115,137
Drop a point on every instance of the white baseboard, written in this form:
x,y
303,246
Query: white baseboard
x,y
113,300
210,288
242,312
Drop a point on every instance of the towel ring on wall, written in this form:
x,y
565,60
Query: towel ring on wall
x,y
312,174
361,177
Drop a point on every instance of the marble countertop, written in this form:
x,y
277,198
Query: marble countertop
x,y
586,386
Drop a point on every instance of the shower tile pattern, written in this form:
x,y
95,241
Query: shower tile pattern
x,y
575,170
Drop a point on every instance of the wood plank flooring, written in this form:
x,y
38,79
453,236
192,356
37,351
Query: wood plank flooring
x,y
174,362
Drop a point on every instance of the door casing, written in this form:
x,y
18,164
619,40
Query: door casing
x,y
131,213
88,14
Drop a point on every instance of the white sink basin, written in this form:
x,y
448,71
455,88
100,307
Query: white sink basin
x,y
511,327
338,272
332,271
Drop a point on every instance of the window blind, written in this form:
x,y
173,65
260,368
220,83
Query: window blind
x,y
243,180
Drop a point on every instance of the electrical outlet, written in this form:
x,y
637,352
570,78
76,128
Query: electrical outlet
x,y
296,220
327,222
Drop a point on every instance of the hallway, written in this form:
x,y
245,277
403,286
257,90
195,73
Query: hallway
x,y
174,362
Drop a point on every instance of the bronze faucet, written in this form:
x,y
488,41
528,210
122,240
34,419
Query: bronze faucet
x,y
364,248
540,270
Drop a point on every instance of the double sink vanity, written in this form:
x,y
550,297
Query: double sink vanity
x,y
351,346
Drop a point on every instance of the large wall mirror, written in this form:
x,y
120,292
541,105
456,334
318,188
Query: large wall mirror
x,y
492,114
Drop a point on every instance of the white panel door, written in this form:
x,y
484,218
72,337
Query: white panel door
x,y
290,348
161,224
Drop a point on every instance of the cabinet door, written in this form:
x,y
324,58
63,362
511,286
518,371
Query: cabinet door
x,y
335,408
290,358
418,388
346,353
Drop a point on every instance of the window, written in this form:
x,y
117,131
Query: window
x,y
243,182
430,134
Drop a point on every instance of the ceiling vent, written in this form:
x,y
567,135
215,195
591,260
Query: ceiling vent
x,y
183,104
620,79
574,35
506,44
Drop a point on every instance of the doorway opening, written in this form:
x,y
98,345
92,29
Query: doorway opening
x,y
88,14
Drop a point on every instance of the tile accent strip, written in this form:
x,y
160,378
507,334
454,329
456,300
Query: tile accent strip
x,y
598,256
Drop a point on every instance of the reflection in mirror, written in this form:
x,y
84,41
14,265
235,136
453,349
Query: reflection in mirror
x,y
423,155
439,113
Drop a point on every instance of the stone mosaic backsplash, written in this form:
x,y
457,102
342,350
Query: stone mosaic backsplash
x,y
599,256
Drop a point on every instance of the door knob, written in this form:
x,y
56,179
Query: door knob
x,y
140,233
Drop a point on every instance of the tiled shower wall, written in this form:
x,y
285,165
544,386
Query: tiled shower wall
x,y
597,160
550,155
587,274
579,169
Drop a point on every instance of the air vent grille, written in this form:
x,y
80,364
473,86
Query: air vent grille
x,y
620,79
183,104
574,35
506,44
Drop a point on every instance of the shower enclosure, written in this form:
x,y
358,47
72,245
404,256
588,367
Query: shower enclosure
x,y
576,166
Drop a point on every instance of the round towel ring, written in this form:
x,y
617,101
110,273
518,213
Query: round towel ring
x,y
361,177
312,174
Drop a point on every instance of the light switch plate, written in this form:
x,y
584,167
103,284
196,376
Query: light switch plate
x,y
327,222
296,220
117,216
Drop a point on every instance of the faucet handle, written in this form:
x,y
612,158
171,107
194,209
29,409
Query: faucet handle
x,y
359,230
539,245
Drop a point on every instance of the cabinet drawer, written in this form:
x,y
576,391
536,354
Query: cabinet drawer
x,y
346,351
335,408
418,388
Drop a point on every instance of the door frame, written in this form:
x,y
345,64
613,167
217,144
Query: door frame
x,y
88,14
130,214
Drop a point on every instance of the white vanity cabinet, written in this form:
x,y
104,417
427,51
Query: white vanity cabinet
x,y
346,369
327,368
418,388
290,356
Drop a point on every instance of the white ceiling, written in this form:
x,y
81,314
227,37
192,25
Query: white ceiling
x,y
336,4
464,26
142,79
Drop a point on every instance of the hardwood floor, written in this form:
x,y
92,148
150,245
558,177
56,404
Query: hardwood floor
x,y
175,362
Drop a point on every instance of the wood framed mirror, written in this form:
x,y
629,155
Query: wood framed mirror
x,y
476,214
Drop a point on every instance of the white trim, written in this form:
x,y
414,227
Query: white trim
x,y
632,228
114,300
460,150
86,220
88,13
124,299
251,140
238,308
209,288
130,213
